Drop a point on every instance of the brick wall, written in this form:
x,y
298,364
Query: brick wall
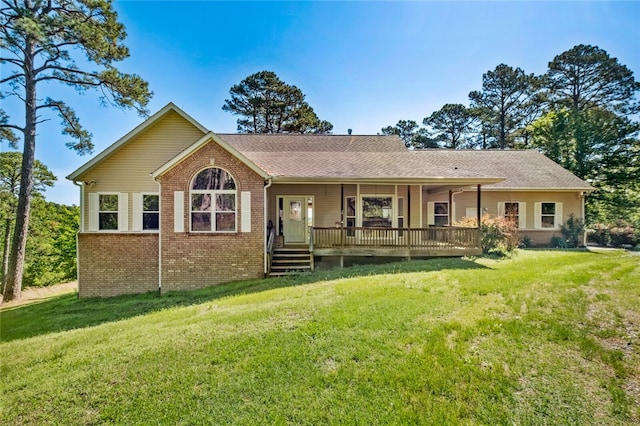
x,y
117,263
197,260
541,238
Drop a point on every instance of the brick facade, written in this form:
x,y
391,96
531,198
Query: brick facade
x,y
117,263
197,260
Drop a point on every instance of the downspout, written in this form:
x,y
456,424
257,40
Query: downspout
x,y
81,185
159,236
451,212
265,219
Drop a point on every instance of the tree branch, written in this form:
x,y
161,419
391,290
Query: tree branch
x,y
12,126
13,77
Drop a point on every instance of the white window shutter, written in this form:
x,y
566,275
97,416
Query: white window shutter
x,y
93,212
178,211
245,211
123,211
501,209
522,215
137,211
430,213
558,219
537,215
471,212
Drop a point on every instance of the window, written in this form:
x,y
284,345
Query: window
x,y
350,216
213,201
441,214
514,211
548,215
511,212
376,212
107,212
150,212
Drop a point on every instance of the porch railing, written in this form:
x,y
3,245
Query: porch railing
x,y
411,238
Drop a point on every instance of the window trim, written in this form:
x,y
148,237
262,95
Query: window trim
x,y
122,224
557,215
431,212
213,193
139,212
116,211
522,212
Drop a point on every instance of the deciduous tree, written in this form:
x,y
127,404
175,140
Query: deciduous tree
x,y
41,41
10,171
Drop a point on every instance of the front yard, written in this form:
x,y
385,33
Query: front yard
x,y
546,337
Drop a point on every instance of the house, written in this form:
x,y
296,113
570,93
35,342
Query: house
x,y
174,206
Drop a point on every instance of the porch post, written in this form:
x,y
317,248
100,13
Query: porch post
x,y
450,207
408,224
479,203
342,205
479,213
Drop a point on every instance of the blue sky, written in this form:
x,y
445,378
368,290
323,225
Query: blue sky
x,y
362,65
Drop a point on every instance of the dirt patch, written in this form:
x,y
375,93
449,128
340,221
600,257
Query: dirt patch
x,y
31,294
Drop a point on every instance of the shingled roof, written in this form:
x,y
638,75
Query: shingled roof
x,y
339,157
314,157
522,169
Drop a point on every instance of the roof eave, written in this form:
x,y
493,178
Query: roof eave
x,y
541,189
413,180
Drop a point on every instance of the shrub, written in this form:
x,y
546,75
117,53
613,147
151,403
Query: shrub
x,y
623,233
599,234
499,235
559,242
618,234
571,231
525,242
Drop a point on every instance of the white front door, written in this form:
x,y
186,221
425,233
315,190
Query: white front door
x,y
295,219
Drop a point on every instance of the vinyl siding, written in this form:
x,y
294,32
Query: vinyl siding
x,y
327,201
491,199
128,169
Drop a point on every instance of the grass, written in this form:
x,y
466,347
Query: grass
x,y
545,337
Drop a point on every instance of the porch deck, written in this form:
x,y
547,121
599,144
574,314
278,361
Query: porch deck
x,y
395,242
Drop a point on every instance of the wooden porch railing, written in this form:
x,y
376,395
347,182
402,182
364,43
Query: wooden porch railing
x,y
411,238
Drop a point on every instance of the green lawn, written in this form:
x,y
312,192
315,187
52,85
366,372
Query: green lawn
x,y
545,337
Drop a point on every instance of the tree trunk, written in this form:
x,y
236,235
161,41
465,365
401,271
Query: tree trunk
x,y
5,252
13,287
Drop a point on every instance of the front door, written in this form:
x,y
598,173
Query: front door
x,y
295,220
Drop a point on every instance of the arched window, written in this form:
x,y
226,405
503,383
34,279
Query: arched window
x,y
213,201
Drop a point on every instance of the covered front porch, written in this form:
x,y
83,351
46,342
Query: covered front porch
x,y
329,221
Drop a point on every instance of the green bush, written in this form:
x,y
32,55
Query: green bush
x,y
623,234
525,242
559,242
599,234
618,234
571,231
